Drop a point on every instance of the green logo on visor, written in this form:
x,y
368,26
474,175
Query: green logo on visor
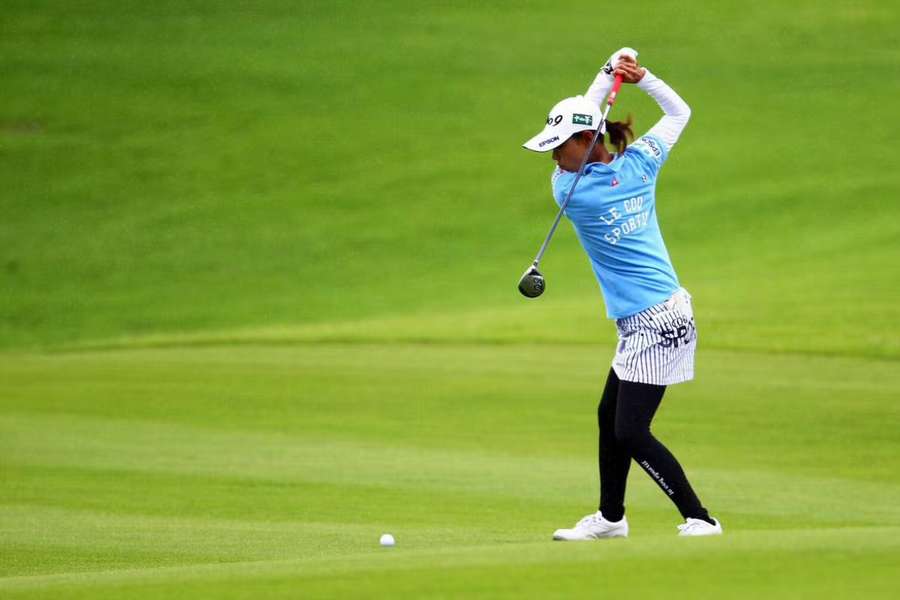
x,y
579,119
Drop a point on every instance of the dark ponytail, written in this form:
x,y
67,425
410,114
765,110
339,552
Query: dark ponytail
x,y
619,133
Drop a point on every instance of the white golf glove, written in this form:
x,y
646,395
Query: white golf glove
x,y
603,82
610,65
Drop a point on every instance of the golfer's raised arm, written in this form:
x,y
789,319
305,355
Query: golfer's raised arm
x,y
600,87
677,112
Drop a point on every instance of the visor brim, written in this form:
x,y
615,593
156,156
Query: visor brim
x,y
546,140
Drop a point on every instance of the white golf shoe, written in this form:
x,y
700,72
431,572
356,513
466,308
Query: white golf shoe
x,y
593,527
693,527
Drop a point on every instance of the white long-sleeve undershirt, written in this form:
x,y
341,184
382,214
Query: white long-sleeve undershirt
x,y
677,112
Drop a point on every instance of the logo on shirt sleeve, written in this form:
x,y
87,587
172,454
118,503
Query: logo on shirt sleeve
x,y
649,146
653,146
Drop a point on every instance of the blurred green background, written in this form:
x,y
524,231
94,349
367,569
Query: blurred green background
x,y
263,256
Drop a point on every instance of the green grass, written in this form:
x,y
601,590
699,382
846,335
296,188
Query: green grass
x,y
193,167
257,301
273,470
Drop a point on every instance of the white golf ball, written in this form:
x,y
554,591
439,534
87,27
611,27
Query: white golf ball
x,y
387,540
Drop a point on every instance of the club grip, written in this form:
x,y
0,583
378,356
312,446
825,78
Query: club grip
x,y
615,90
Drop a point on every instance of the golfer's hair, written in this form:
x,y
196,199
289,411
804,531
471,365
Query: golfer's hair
x,y
620,133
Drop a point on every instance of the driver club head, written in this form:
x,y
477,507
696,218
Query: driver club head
x,y
532,283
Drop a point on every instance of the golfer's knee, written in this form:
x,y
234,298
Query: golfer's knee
x,y
632,437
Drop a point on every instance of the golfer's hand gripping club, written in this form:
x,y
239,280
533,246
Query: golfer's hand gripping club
x,y
532,284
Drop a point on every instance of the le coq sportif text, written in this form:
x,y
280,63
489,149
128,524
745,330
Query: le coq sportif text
x,y
631,217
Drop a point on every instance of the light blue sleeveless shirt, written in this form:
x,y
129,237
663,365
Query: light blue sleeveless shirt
x,y
613,211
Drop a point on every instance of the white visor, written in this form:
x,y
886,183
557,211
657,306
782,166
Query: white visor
x,y
568,117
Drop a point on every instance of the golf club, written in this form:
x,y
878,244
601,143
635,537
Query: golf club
x,y
532,283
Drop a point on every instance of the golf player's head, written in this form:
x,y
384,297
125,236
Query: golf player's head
x,y
570,130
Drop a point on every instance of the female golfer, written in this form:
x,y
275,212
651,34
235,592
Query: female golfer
x,y
613,212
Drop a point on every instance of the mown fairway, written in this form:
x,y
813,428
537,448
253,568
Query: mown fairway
x,y
257,301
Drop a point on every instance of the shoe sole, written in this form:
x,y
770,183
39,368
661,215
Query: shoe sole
x,y
558,538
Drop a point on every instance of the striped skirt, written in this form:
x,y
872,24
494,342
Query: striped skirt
x,y
657,345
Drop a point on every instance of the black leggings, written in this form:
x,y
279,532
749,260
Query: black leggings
x,y
624,416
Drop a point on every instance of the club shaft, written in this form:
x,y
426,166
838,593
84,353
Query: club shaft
x,y
598,135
